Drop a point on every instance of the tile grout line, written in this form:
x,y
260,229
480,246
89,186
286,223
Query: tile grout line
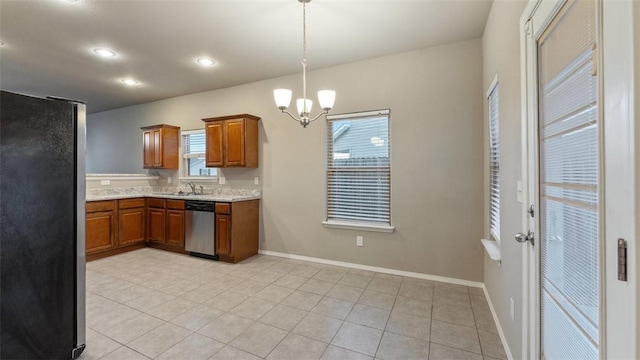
x,y
249,269
387,322
433,297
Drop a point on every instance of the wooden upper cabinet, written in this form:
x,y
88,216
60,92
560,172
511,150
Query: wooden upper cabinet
x,y
147,139
232,141
215,149
160,146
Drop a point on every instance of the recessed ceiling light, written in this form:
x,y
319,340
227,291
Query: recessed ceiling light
x,y
130,82
206,62
104,52
69,1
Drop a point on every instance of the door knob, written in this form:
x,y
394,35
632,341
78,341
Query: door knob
x,y
522,238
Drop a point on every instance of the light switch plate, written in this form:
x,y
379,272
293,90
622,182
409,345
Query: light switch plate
x,y
222,180
359,241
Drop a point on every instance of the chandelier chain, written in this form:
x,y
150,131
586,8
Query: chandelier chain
x,y
304,32
326,98
304,56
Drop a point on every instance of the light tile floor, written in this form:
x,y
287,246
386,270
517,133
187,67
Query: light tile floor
x,y
156,304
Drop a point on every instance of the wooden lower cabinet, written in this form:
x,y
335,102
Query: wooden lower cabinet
x,y
166,224
157,225
175,227
100,226
116,226
236,230
131,225
223,234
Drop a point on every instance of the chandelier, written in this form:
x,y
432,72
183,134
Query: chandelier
x,y
326,98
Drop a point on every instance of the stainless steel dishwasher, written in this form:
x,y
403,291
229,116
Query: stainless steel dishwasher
x,y
200,231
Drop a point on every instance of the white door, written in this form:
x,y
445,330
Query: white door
x,y
569,269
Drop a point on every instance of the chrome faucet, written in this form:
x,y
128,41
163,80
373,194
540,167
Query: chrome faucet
x,y
192,186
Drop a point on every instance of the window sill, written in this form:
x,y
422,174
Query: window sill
x,y
493,250
199,178
354,225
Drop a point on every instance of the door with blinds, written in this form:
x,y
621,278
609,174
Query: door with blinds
x,y
568,222
579,269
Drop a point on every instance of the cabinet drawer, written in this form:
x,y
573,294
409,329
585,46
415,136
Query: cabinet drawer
x,y
156,203
174,204
223,208
96,206
131,203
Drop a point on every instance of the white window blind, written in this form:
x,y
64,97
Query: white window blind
x,y
359,167
569,171
494,163
193,152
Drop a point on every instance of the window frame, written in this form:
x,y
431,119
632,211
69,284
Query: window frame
x,y
493,137
184,164
363,225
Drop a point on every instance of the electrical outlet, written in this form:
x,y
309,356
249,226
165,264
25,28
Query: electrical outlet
x,y
169,180
359,241
513,310
256,180
222,180
105,182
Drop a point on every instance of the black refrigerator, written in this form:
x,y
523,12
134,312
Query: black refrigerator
x,y
42,247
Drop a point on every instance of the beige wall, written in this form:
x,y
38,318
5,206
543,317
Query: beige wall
x,y
501,55
437,161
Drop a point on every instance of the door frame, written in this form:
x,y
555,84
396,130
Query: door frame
x,y
618,195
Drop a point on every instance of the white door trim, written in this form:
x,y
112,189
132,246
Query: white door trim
x,y
620,171
531,28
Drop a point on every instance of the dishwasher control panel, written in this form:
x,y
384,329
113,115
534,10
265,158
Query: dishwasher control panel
x,y
195,205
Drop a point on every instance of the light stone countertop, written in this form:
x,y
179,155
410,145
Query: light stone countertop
x,y
219,194
225,198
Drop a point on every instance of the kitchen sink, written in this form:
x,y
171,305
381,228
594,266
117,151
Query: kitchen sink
x,y
174,193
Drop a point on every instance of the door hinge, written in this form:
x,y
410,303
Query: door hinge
x,y
527,28
622,259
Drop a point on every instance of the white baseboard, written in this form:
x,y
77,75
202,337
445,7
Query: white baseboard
x,y
376,269
495,319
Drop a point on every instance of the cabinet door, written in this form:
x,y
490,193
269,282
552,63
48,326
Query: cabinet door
x,y
175,227
147,149
157,148
234,145
223,234
156,225
131,224
100,231
214,144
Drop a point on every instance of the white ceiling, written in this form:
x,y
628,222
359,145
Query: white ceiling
x,y
48,43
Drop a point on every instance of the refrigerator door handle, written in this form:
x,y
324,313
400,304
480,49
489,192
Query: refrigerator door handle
x,y
80,125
